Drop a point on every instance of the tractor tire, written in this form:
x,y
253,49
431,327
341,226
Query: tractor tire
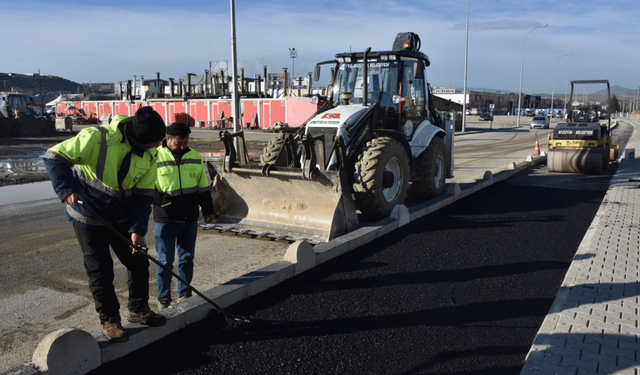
x,y
381,177
271,150
430,171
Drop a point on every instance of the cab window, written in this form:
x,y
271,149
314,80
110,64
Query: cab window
x,y
413,90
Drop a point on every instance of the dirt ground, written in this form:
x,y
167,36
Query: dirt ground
x,y
21,163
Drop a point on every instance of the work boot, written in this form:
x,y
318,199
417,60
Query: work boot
x,y
114,331
163,303
147,317
186,295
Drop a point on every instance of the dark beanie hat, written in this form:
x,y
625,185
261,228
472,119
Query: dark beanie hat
x,y
178,128
147,126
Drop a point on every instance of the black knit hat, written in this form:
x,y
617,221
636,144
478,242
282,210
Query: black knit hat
x,y
178,128
147,126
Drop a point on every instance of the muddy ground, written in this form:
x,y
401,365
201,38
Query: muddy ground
x,y
21,157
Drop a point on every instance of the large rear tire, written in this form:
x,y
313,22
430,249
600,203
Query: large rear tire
x,y
381,177
272,149
430,171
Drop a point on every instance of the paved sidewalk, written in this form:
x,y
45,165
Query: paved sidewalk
x,y
593,326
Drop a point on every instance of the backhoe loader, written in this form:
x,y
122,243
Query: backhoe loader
x,y
375,137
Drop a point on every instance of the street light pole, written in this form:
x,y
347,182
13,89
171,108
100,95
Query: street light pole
x,y
293,54
522,71
566,88
553,87
464,92
235,96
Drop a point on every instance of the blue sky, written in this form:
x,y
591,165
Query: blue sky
x,y
107,41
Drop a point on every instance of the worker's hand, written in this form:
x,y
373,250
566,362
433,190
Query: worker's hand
x,y
137,239
210,218
73,199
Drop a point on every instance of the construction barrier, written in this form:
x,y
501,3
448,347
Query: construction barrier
x,y
207,113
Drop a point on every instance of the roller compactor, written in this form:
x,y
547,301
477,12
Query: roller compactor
x,y
583,144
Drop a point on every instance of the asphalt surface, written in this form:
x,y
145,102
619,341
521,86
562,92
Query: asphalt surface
x,y
460,291
27,326
44,285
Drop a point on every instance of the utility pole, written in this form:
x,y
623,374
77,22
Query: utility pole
x,y
293,54
235,102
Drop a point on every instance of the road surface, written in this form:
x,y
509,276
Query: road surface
x,y
44,285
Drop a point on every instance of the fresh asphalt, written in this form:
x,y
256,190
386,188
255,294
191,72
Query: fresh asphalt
x,y
461,291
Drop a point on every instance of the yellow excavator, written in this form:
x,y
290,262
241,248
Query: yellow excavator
x,y
583,144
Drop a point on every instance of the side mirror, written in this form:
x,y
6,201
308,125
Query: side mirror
x,y
316,73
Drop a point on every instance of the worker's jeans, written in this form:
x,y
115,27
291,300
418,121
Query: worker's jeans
x,y
98,263
169,238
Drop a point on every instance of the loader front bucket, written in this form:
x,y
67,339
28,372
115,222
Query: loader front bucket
x,y
281,203
575,161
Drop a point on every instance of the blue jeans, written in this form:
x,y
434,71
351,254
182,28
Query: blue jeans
x,y
170,237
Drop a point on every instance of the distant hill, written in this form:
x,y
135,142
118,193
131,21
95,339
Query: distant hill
x,y
51,86
30,83
618,90
615,90
483,89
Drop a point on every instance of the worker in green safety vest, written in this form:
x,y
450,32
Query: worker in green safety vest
x,y
182,189
111,169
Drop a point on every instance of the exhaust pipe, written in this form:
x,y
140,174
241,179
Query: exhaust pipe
x,y
365,74
266,82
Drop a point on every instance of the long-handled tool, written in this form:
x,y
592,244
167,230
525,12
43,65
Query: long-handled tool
x,y
234,319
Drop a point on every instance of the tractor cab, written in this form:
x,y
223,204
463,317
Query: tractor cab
x,y
394,81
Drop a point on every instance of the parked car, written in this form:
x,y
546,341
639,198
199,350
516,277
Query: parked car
x,y
486,116
540,122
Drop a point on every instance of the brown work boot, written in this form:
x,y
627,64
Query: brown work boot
x,y
114,331
164,303
147,317
186,295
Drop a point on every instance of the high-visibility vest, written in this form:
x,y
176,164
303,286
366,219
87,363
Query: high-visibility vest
x,y
187,177
96,155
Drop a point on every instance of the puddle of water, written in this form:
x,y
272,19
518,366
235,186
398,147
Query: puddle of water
x,y
26,192
22,166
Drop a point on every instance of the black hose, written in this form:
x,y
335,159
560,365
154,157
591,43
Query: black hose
x,y
143,250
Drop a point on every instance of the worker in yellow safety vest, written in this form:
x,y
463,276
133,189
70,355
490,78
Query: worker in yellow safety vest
x,y
112,170
182,189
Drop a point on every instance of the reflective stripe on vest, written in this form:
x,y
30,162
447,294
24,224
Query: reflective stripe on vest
x,y
187,178
96,154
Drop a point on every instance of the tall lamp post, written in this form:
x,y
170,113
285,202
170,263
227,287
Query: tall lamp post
x,y
522,71
235,96
553,87
566,88
464,93
293,54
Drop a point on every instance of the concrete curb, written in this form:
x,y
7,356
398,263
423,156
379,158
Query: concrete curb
x,y
72,351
